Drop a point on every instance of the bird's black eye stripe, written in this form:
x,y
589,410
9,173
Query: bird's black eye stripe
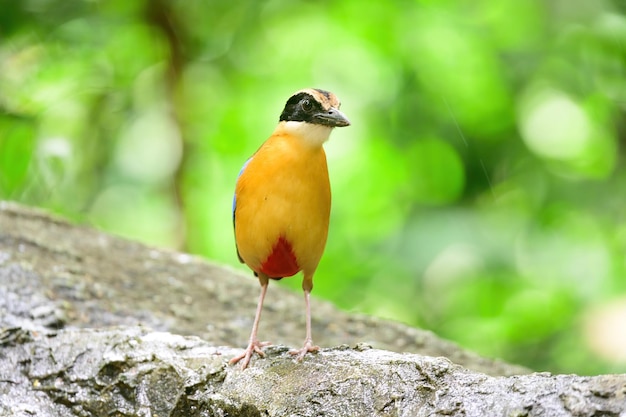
x,y
301,108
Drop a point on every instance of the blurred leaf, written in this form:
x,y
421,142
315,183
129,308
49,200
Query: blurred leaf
x,y
16,151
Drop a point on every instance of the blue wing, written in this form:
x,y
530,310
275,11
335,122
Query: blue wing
x,y
235,204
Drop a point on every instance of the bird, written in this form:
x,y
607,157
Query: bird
x,y
281,206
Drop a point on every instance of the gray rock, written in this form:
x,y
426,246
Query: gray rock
x,y
96,325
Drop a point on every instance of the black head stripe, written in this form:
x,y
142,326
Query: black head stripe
x,y
301,107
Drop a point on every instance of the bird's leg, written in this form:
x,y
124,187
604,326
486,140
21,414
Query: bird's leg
x,y
307,286
254,345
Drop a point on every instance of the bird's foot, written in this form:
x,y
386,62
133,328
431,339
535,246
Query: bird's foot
x,y
254,346
308,347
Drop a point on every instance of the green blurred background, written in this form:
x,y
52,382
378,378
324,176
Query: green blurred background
x,y
480,191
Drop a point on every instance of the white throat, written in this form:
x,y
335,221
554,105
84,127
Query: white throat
x,y
312,134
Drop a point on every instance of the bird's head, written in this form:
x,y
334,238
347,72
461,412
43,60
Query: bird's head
x,y
313,113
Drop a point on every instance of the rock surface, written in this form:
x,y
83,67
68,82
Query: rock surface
x,y
96,325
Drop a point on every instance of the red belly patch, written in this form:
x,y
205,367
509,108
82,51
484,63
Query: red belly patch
x,y
281,262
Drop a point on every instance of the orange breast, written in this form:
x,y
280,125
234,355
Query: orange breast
x,y
282,208
281,262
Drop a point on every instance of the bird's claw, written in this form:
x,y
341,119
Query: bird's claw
x,y
308,347
245,357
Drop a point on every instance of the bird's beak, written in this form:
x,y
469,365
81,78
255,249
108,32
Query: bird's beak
x,y
332,118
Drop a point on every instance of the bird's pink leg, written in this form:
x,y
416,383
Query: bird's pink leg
x,y
308,346
254,345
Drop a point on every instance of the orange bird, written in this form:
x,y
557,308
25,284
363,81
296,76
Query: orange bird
x,y
281,206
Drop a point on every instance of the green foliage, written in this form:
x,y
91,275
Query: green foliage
x,y
479,191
